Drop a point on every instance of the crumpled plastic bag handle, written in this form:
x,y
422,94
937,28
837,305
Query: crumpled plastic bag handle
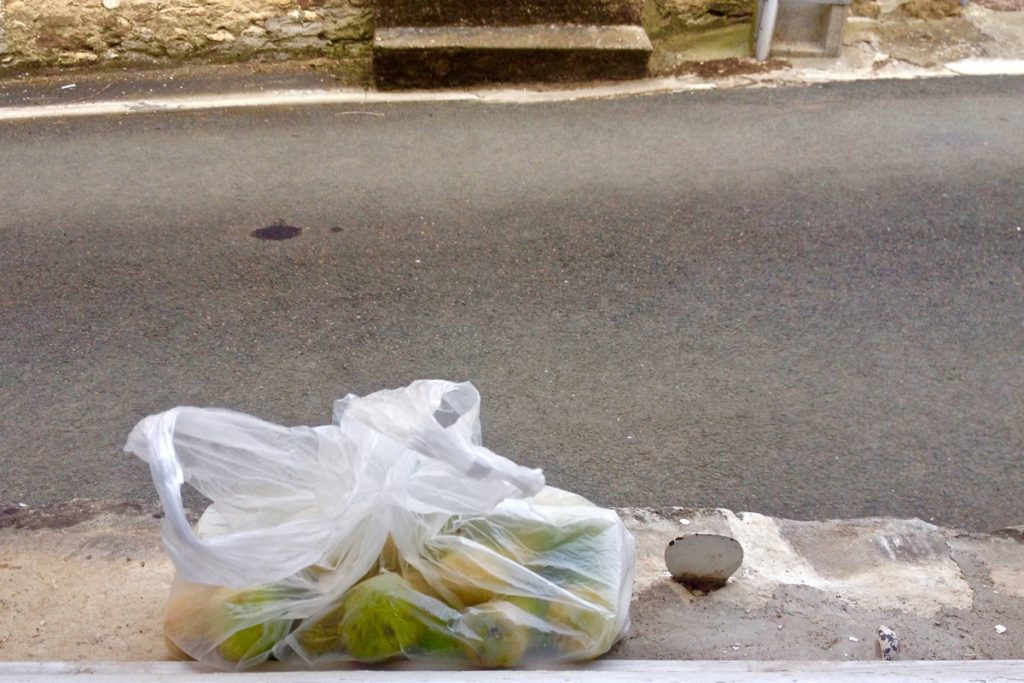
x,y
268,481
235,559
450,433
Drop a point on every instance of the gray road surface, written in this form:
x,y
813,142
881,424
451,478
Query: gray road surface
x,y
805,302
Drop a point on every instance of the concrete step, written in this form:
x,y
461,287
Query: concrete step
x,y
446,56
391,13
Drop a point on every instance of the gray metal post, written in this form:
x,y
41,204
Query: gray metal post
x,y
767,13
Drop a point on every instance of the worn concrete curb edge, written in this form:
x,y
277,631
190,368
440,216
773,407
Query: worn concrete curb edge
x,y
497,95
604,671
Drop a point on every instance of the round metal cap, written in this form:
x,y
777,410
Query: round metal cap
x,y
703,561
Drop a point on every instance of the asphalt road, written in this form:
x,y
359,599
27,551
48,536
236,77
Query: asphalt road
x,y
805,302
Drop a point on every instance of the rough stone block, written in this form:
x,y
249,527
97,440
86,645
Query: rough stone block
x,y
932,9
665,18
866,8
61,31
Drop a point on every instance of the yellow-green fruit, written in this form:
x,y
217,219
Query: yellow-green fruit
x,y
379,622
547,537
417,581
323,635
251,641
469,572
437,643
532,606
193,622
541,537
497,639
542,644
585,629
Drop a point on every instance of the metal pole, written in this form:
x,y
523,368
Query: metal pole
x,y
765,28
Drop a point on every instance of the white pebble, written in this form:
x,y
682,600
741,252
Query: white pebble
x,y
1000,629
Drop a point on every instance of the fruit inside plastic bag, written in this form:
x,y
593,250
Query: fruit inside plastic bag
x,y
419,542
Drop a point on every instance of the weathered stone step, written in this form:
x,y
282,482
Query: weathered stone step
x,y
395,13
459,55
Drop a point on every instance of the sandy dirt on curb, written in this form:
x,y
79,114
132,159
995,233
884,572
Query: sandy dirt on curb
x,y
89,582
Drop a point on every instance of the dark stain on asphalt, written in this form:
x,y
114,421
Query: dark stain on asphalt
x,y
62,515
277,231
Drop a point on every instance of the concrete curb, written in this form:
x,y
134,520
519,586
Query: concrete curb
x,y
76,97
294,98
597,672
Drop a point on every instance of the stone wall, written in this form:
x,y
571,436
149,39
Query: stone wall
x,y
664,17
68,32
3,33
73,32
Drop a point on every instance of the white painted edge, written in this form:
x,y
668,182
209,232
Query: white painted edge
x,y
350,96
602,671
292,98
978,66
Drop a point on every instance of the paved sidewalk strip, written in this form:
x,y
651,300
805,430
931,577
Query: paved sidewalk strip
x,y
92,586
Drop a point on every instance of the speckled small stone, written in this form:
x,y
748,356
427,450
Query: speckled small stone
x,y
888,643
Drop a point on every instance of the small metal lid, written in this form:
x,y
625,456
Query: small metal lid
x,y
703,561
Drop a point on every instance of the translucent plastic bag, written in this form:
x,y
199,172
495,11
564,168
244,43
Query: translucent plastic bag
x,y
391,533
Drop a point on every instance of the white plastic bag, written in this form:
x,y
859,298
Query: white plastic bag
x,y
391,533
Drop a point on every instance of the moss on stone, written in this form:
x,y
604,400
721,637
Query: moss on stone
x,y
665,18
709,43
932,9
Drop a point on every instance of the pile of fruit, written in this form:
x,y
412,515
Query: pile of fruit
x,y
493,591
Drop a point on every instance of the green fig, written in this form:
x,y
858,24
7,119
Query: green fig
x,y
497,639
585,627
470,573
322,634
437,643
255,640
521,539
379,621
